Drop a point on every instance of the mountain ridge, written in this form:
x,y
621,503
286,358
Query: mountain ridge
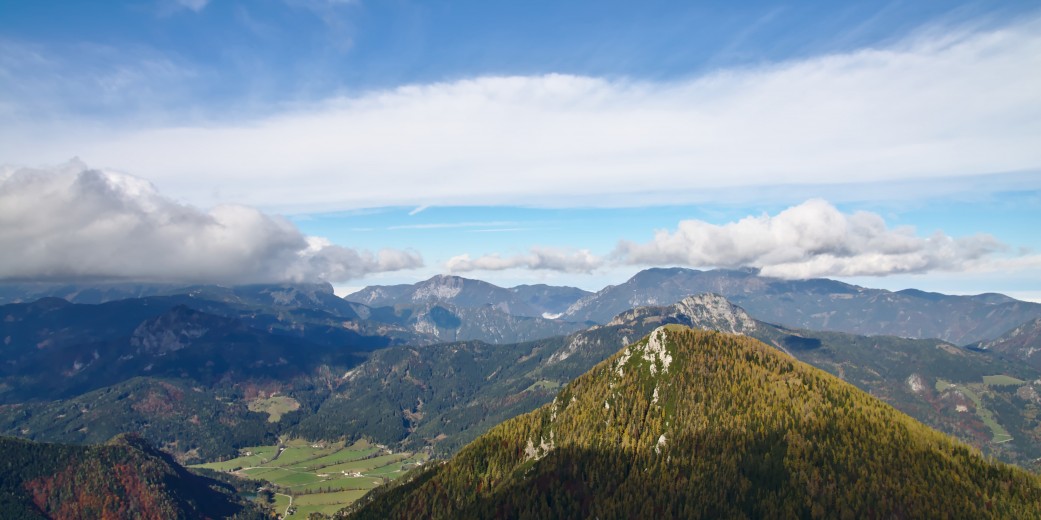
x,y
1022,342
522,300
700,424
817,304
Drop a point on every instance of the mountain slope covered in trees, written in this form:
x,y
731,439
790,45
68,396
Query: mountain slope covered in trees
x,y
124,478
445,395
694,424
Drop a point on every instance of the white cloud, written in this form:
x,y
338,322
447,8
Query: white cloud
x,y
74,223
810,240
540,258
927,108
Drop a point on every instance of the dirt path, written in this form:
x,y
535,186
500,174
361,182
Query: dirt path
x,y
285,514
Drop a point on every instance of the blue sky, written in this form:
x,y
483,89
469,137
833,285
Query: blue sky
x,y
226,58
889,144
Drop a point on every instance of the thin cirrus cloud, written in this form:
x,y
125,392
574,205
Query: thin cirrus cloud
x,y
194,5
538,259
942,104
73,223
813,239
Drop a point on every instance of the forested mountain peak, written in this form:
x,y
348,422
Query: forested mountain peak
x,y
702,424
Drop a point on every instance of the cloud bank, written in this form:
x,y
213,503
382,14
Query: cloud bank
x,y
540,258
933,106
812,239
75,223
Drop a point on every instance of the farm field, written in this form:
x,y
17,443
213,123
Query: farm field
x,y
321,477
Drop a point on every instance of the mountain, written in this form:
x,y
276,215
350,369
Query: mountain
x,y
691,424
80,292
523,300
197,383
314,295
1021,343
125,478
192,422
445,395
818,304
179,342
550,299
442,322
196,372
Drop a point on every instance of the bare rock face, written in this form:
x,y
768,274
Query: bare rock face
x,y
701,311
169,332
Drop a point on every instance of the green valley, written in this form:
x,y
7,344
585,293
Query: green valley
x,y
307,477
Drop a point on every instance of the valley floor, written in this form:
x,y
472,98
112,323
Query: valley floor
x,y
322,477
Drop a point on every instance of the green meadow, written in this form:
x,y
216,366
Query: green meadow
x,y
322,477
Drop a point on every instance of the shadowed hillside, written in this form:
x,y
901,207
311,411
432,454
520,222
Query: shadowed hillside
x,y
125,478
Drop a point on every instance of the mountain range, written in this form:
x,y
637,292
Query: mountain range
x,y
692,424
206,371
71,369
522,300
444,395
817,304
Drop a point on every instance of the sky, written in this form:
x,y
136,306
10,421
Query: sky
x,y
887,144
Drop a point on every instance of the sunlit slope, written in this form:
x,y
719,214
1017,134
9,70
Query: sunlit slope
x,y
691,424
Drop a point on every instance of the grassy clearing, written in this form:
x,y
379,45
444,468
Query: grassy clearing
x,y
298,479
281,503
257,455
275,407
543,385
269,474
366,464
296,453
973,391
346,483
321,477
325,503
1002,380
338,497
344,455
